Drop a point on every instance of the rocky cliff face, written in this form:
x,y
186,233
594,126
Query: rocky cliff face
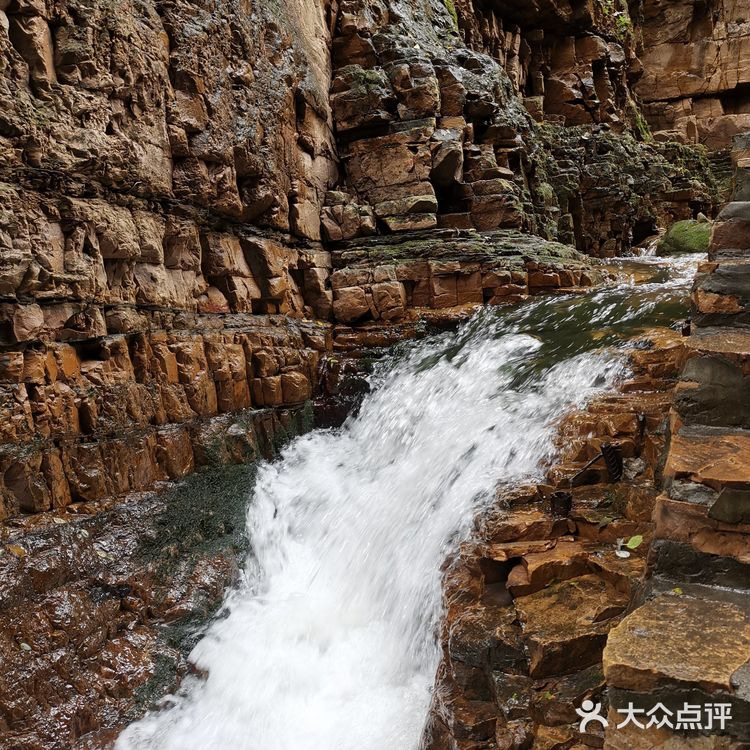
x,y
696,69
163,171
175,179
435,133
697,587
199,201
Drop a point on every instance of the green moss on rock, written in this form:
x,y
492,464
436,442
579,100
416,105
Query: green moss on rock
x,y
689,236
450,5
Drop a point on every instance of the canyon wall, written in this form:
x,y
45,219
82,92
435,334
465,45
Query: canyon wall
x,y
180,180
201,202
696,69
162,175
697,589
684,65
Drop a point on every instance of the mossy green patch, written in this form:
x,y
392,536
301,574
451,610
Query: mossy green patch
x,y
688,236
451,7
162,681
203,514
201,517
546,193
642,126
623,26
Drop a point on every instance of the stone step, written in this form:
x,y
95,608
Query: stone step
x,y
565,625
678,649
711,456
676,564
702,519
532,566
721,292
719,340
731,230
715,385
694,522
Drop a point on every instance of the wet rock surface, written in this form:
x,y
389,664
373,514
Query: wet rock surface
x,y
168,227
544,592
709,638
695,598
101,602
204,208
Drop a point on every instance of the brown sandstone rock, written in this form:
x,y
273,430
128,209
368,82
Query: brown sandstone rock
x,y
711,459
565,626
712,639
350,304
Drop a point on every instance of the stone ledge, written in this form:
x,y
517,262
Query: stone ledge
x,y
715,457
673,562
46,475
731,341
680,641
691,523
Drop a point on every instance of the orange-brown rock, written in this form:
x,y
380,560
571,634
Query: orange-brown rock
x,y
565,626
709,457
689,96
556,585
712,639
690,637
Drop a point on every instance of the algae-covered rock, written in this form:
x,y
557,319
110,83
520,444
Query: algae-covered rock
x,y
688,236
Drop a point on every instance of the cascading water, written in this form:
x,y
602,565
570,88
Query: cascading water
x,y
330,641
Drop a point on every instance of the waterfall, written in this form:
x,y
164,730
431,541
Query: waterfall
x,y
330,641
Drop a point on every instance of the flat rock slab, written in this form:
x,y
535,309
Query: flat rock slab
x,y
713,458
719,341
691,523
680,641
565,625
525,524
537,568
505,244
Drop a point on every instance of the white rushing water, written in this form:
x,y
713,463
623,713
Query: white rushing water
x,y
330,642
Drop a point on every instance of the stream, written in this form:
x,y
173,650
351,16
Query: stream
x,y
330,640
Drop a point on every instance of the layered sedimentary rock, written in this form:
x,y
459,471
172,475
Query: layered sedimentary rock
x,y
532,599
573,62
200,201
697,598
168,177
696,69
143,153
433,133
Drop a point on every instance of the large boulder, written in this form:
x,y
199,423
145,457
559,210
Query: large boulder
x,y
688,236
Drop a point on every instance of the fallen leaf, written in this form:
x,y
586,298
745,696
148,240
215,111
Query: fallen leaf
x,y
634,542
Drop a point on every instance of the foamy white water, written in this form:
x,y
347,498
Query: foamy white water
x,y
330,642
